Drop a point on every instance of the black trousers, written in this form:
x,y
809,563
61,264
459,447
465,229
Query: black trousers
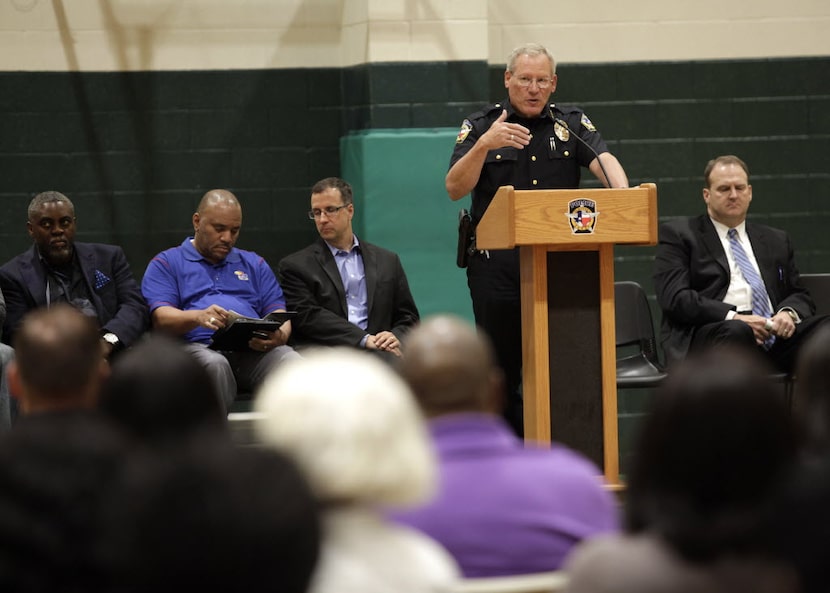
x,y
783,353
493,279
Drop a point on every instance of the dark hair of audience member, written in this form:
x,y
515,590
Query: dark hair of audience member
x,y
55,473
210,516
57,351
157,392
711,456
801,527
451,368
811,394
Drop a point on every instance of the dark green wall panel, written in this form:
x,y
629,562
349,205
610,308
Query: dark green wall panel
x,y
401,204
136,151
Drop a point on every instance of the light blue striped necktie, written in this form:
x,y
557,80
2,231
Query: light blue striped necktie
x,y
760,298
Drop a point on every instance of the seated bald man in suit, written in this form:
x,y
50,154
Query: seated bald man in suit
x,y
346,292
720,278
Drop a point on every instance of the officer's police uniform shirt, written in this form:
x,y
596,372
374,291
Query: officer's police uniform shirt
x,y
552,160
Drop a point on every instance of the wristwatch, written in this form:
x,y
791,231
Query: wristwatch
x,y
111,339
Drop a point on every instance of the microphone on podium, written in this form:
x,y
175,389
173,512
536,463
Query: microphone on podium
x,y
564,124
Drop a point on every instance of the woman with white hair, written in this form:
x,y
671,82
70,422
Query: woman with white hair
x,y
352,425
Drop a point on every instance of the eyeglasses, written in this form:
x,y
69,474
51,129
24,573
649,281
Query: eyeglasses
x,y
328,211
542,83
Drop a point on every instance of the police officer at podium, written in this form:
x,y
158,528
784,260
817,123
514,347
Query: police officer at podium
x,y
528,143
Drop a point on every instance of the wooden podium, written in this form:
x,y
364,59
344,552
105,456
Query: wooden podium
x,y
566,239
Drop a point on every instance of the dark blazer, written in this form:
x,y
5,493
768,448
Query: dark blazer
x,y
121,308
691,276
313,288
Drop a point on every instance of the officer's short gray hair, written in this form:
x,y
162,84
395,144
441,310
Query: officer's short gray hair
x,y
532,50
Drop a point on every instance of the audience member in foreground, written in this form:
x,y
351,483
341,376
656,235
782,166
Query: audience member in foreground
x,y
55,474
802,524
811,396
58,365
709,462
158,392
58,460
353,427
212,517
501,508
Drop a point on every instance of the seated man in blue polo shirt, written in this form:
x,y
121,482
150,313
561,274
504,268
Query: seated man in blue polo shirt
x,y
190,290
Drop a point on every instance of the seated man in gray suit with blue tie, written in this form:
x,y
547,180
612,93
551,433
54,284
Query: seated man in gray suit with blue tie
x,y
722,279
346,292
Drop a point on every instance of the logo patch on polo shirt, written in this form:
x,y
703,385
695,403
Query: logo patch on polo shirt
x,y
241,275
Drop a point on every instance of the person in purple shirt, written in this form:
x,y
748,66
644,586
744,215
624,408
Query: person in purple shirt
x,y
503,507
191,290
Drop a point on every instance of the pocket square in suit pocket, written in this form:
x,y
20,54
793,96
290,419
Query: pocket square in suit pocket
x,y
101,279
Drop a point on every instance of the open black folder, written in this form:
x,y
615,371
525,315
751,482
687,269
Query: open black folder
x,y
239,331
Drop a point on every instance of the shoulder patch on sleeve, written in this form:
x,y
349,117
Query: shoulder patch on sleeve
x,y
587,123
466,127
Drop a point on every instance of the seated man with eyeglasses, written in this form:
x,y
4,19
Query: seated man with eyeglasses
x,y
346,292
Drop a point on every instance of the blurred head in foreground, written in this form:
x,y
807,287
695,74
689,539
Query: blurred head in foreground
x,y
352,425
451,368
158,391
711,455
59,363
812,392
212,517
